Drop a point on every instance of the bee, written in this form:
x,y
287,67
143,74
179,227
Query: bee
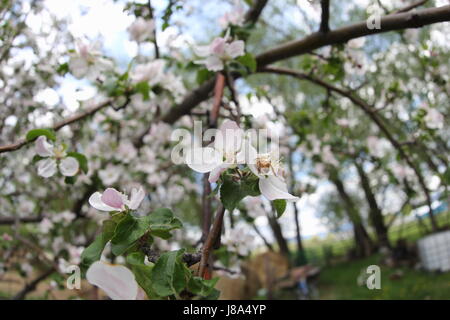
x,y
264,165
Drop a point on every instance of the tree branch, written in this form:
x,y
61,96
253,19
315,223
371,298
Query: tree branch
x,y
314,41
388,23
324,24
19,144
411,6
212,238
31,286
155,42
255,11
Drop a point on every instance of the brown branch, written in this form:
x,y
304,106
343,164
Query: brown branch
x,y
31,286
155,42
411,6
324,24
212,238
388,23
19,144
13,220
314,41
255,11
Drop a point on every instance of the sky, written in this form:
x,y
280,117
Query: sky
x,y
104,20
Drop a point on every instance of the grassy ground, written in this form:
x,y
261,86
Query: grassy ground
x,y
340,282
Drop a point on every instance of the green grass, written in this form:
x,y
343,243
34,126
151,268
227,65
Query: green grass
x,y
340,282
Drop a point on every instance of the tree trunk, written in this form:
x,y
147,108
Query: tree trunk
x,y
375,214
364,246
278,234
300,258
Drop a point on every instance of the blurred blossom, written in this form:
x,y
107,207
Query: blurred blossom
x,y
141,30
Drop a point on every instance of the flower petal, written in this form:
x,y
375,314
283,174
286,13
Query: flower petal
x,y
46,167
202,51
235,49
43,148
216,172
213,63
273,188
203,159
117,281
229,137
136,198
95,200
113,198
69,166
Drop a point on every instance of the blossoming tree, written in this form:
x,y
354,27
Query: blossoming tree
x,y
95,185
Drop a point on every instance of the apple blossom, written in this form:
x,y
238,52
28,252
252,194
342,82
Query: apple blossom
x,y
225,153
268,169
234,17
55,157
151,72
113,200
141,30
117,281
219,51
87,61
6,237
434,119
109,175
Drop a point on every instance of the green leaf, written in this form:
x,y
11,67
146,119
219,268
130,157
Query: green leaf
x,y
70,180
33,134
94,251
170,274
249,61
232,192
280,206
63,69
128,230
82,160
142,273
203,75
162,221
203,288
144,89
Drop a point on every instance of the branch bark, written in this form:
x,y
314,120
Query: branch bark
x,y
77,117
324,24
212,238
314,41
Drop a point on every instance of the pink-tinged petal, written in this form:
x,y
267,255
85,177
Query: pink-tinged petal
x,y
136,198
217,47
113,198
117,281
213,63
235,49
216,172
43,148
274,188
69,166
46,167
140,295
203,159
95,200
